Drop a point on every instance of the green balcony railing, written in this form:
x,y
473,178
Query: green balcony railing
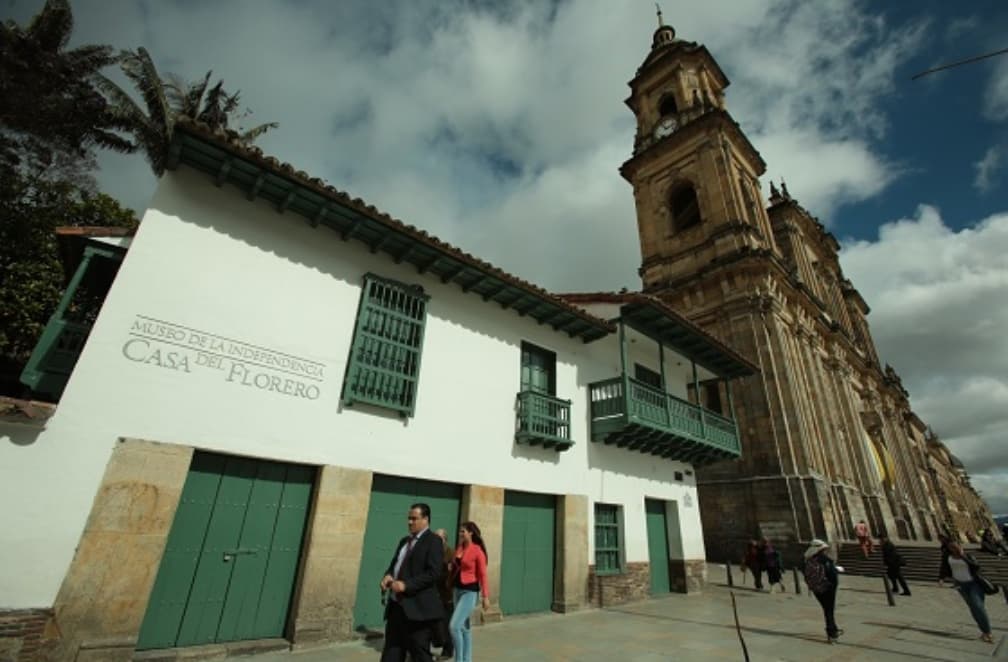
x,y
543,420
652,421
54,356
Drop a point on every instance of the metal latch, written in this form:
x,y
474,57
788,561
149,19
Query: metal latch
x,y
231,553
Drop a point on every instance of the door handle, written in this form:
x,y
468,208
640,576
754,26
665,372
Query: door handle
x,y
231,553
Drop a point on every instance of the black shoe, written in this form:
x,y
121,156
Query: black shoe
x,y
905,593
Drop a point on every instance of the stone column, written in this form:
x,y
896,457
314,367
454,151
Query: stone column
x,y
485,506
323,605
571,577
102,601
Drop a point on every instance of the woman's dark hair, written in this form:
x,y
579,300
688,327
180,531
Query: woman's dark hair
x,y
477,537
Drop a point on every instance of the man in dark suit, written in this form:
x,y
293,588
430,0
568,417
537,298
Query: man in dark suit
x,y
412,577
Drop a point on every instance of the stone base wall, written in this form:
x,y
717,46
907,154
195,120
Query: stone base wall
x,y
22,632
571,553
323,604
103,598
634,583
688,576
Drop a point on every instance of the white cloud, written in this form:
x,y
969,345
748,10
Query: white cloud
x,y
492,127
939,303
995,102
958,27
994,489
987,169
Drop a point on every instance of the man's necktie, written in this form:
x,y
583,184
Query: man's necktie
x,y
409,548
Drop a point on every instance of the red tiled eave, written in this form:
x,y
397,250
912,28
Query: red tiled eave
x,y
224,156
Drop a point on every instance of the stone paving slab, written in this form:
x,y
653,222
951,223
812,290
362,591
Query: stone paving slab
x,y
933,624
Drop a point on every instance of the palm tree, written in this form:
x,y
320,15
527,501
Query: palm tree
x,y
49,106
166,99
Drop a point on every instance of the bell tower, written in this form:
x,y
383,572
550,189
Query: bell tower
x,y
693,171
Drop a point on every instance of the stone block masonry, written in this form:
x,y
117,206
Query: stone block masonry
x,y
634,583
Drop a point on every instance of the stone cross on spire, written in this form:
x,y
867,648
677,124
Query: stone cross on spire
x,y
660,21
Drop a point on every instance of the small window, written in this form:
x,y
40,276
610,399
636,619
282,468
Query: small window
x,y
607,539
648,376
384,365
712,396
678,476
685,208
668,106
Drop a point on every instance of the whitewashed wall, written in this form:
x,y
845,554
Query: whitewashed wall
x,y
222,267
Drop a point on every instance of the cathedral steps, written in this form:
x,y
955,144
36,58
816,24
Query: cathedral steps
x,y
922,562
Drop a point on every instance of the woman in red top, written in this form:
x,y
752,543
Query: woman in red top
x,y
469,570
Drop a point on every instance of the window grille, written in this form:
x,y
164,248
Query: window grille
x,y
607,539
384,364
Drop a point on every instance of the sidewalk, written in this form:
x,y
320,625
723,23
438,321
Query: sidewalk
x,y
933,624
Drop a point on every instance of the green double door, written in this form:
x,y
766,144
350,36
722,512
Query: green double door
x,y
527,555
391,497
232,554
658,546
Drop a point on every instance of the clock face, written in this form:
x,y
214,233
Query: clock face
x,y
665,127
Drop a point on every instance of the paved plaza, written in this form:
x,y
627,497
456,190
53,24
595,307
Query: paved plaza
x,y
933,624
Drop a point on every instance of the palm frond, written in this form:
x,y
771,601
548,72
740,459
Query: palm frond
x,y
248,137
120,105
86,60
140,69
114,142
52,26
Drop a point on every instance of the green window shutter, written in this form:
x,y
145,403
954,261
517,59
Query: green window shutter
x,y
538,369
384,364
607,539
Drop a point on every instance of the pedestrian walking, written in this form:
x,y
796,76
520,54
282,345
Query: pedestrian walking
x,y
823,580
411,578
469,571
894,563
442,635
863,535
989,543
972,586
772,563
752,561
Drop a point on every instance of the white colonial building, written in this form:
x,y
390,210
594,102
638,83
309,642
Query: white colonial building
x,y
279,370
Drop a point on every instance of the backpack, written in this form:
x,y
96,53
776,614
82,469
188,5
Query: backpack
x,y
815,576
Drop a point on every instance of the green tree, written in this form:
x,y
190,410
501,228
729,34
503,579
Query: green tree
x,y
31,276
165,100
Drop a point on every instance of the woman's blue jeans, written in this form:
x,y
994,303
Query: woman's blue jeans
x,y
465,602
973,594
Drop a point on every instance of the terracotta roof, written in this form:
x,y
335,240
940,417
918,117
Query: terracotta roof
x,y
93,231
730,363
339,203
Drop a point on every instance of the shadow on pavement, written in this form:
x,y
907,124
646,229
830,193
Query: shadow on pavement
x,y
922,630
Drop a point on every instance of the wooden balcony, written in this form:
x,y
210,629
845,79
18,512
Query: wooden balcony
x,y
54,356
657,423
543,420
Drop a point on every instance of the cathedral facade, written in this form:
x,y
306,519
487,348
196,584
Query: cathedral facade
x,y
829,437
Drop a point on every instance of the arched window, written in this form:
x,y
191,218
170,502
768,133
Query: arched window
x,y
667,106
684,208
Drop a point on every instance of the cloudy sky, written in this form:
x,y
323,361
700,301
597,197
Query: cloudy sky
x,y
500,127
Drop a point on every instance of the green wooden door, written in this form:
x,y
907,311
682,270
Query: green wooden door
x,y
658,547
231,557
391,497
527,552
